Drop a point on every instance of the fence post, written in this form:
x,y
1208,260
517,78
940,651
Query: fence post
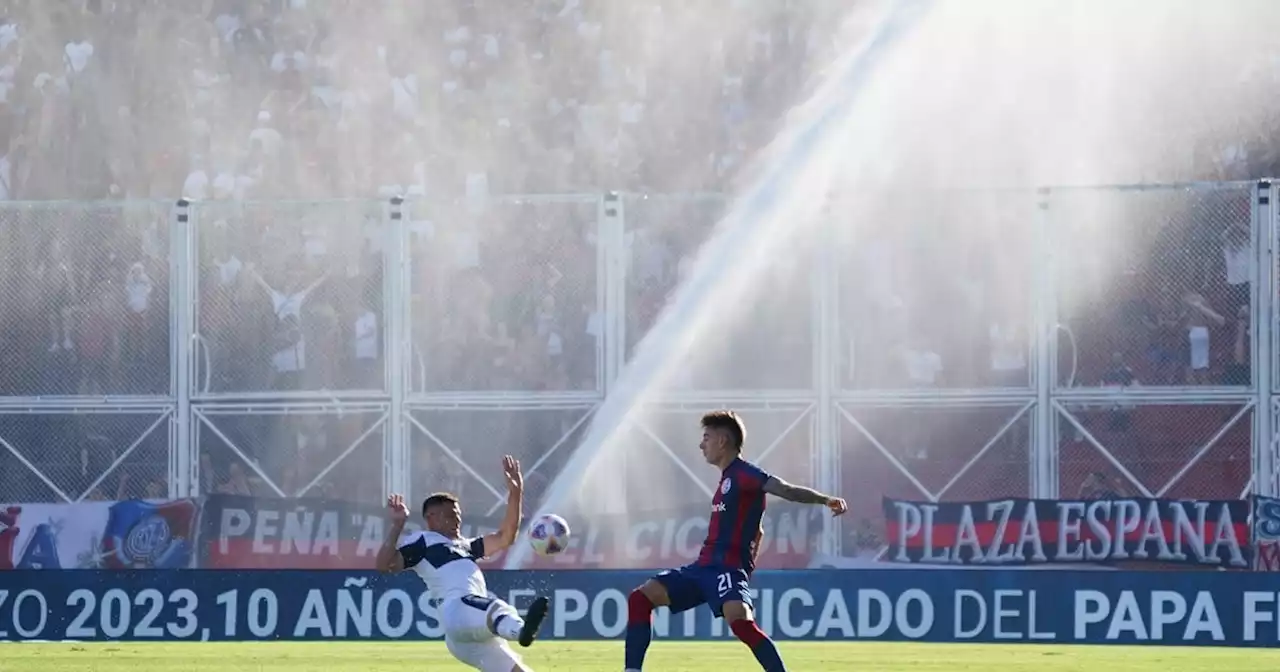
x,y
611,235
183,261
1263,313
398,348
1044,444
826,363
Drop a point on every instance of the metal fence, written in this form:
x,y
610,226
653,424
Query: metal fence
x,y
962,346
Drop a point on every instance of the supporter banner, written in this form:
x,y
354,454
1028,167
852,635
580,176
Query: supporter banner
x,y
238,532
1039,531
250,533
1199,608
132,534
1266,533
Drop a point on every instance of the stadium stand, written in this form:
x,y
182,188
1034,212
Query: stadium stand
x,y
254,104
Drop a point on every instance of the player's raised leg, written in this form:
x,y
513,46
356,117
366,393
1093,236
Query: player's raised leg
x,y
505,622
533,621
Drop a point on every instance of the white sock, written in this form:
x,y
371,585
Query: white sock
x,y
508,626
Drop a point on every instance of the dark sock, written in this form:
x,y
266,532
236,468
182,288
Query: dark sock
x,y
760,644
639,629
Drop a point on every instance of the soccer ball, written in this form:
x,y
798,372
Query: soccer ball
x,y
549,534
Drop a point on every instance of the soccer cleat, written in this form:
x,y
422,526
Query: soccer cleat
x,y
533,621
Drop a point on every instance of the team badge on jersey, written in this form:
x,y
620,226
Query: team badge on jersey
x,y
724,487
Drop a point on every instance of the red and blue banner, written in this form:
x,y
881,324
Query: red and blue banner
x,y
130,534
1211,533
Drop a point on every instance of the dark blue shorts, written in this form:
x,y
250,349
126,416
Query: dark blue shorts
x,y
691,585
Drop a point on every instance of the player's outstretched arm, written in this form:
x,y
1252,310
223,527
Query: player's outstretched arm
x,y
510,527
390,560
802,495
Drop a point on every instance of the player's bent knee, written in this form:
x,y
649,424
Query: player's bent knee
x,y
736,611
656,592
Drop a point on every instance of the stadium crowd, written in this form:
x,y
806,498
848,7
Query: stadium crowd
x,y
260,108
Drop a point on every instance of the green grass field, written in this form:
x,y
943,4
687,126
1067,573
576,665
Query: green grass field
x,y
607,656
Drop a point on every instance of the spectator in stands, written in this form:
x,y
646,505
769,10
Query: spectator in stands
x,y
1167,340
1237,255
1200,318
1119,376
208,478
1097,486
289,361
236,483
1238,371
1008,352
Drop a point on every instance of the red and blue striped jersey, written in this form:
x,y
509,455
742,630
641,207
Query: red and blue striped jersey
x,y
736,510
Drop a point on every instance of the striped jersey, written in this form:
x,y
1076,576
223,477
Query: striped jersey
x,y
447,566
736,511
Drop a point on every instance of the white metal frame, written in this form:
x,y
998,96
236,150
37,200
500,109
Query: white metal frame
x,y
804,411
1065,412
484,475
163,415
826,403
207,416
1017,411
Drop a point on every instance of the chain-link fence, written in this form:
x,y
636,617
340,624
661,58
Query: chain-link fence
x,y
920,453
84,290
935,290
293,452
60,456
666,469
460,451
771,329
289,296
1152,286
1141,450
506,295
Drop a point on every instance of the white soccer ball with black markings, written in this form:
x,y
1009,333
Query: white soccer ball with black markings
x,y
549,534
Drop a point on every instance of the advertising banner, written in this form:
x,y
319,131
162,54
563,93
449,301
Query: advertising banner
x,y
1211,533
131,534
251,533
1196,608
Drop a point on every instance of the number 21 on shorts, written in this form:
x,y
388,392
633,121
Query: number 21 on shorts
x,y
724,583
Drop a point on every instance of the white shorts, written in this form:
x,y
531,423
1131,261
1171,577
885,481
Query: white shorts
x,y
468,637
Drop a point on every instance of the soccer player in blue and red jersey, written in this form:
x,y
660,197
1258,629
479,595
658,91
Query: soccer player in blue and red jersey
x,y
721,574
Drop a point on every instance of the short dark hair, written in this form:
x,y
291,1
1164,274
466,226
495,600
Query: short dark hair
x,y
437,499
730,422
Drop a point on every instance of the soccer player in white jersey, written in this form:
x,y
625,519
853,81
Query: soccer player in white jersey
x,y
477,626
